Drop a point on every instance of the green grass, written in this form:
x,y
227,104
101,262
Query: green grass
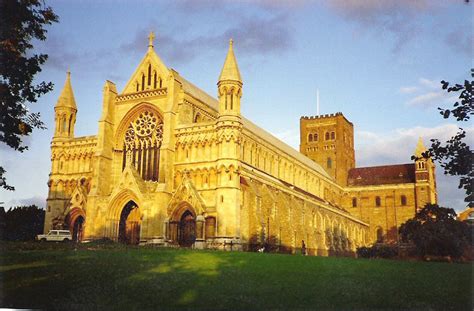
x,y
55,276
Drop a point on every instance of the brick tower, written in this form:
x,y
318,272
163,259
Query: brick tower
x,y
329,140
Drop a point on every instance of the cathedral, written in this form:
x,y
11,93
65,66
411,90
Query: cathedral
x,y
173,166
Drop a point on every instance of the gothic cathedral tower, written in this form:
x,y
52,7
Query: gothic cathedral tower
x,y
229,131
329,141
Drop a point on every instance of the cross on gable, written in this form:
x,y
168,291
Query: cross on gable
x,y
150,39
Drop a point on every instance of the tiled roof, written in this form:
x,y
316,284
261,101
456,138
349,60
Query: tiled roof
x,y
380,175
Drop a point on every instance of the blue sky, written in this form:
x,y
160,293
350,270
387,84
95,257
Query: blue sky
x,y
378,62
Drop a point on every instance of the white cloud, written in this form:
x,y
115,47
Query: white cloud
x,y
432,84
408,89
39,201
426,99
427,93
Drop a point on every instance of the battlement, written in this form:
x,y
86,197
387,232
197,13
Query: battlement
x,y
330,115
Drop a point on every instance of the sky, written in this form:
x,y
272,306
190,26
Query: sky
x,y
380,63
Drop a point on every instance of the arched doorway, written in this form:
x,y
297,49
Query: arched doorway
x,y
78,229
187,229
75,222
129,224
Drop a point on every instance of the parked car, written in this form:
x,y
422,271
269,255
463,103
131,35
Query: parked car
x,y
55,235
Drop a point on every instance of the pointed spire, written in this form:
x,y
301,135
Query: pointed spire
x,y
151,37
66,99
420,148
230,70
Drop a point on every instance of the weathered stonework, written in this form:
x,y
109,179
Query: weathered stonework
x,y
171,165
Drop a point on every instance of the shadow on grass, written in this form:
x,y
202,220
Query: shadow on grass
x,y
131,278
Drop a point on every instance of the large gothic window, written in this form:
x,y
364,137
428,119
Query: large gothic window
x,y
142,145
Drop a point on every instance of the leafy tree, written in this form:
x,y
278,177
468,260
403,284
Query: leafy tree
x,y
22,22
456,156
23,223
435,231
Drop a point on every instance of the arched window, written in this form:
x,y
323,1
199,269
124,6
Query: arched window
x,y
315,137
64,124
197,118
161,83
143,82
310,137
329,163
231,101
333,135
326,136
70,125
225,94
379,235
142,144
138,86
354,202
149,75
403,200
154,80
377,201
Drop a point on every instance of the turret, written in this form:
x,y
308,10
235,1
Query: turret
x,y
229,133
421,163
65,111
425,187
230,86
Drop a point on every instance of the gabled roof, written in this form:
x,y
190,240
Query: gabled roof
x,y
150,58
381,175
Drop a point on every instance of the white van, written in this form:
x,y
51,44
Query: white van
x,y
55,235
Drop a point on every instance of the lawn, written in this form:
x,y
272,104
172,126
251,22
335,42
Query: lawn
x,y
55,276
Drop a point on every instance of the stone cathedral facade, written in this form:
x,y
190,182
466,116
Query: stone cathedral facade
x,y
171,165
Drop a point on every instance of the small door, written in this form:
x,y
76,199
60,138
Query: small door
x,y
187,230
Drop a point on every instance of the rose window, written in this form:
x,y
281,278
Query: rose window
x,y
142,144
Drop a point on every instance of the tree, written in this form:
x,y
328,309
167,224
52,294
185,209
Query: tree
x,y
22,22
435,231
455,156
23,223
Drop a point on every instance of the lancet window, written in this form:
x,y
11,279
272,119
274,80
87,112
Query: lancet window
x,y
142,145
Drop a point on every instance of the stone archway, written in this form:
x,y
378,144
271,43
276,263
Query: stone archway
x,y
185,226
75,222
129,224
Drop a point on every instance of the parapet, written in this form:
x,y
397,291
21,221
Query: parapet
x,y
330,115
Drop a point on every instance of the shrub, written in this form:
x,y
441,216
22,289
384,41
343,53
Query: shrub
x,y
377,251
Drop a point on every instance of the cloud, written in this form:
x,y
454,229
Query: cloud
x,y
426,99
39,201
259,35
427,93
461,40
432,84
408,89
398,18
